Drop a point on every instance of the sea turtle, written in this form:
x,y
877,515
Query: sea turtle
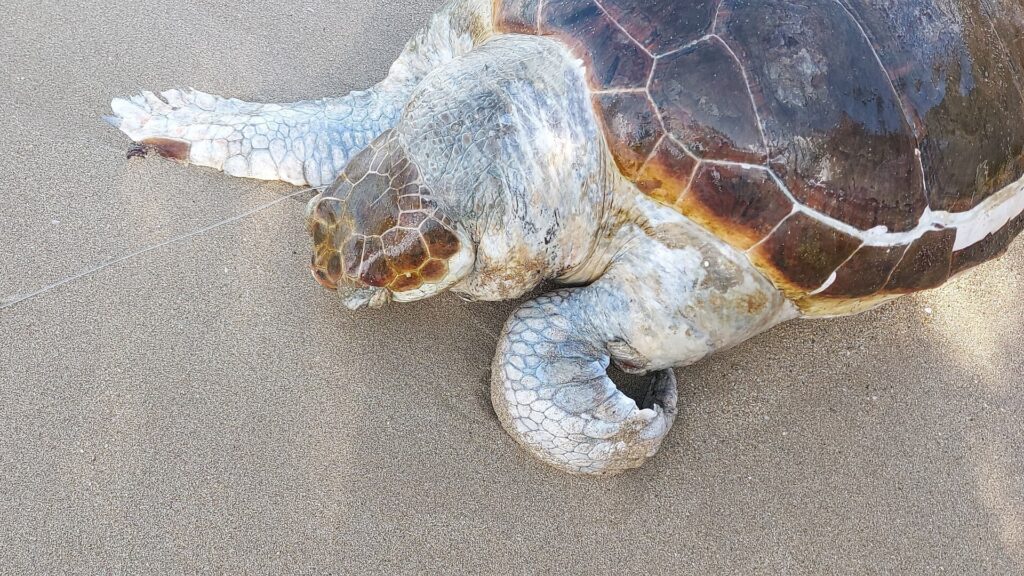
x,y
696,171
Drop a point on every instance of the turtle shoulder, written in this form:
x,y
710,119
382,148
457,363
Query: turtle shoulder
x,y
830,141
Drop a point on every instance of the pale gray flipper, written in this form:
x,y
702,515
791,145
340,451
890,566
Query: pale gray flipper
x,y
303,143
552,392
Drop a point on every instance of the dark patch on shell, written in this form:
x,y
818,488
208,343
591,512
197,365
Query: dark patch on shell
x,y
613,59
633,127
705,103
866,272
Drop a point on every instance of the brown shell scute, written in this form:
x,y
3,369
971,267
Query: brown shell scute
x,y
374,213
667,173
705,103
960,89
926,264
412,219
406,282
633,127
614,59
807,132
663,26
802,253
866,272
740,205
835,126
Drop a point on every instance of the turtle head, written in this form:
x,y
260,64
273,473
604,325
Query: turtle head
x,y
379,236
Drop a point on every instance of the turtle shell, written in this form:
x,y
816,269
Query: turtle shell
x,y
835,142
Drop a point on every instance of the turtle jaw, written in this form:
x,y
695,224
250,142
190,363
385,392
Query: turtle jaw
x,y
360,298
353,297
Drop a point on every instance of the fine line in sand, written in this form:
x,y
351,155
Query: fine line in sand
x,y
5,304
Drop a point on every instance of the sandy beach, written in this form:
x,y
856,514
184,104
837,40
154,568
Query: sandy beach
x,y
201,406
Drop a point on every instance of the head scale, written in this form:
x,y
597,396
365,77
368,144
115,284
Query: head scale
x,y
378,234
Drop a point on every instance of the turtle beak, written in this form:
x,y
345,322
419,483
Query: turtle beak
x,y
352,297
359,298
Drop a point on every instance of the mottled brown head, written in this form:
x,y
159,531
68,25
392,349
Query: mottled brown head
x,y
378,234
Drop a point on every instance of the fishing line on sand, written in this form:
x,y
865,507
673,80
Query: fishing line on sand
x,y
5,304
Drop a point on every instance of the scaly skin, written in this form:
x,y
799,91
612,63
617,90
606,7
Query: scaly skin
x,y
305,143
503,137
671,295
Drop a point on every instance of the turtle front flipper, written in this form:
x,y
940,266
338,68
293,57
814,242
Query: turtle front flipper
x,y
302,143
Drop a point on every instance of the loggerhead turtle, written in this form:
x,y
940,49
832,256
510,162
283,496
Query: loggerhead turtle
x,y
698,170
